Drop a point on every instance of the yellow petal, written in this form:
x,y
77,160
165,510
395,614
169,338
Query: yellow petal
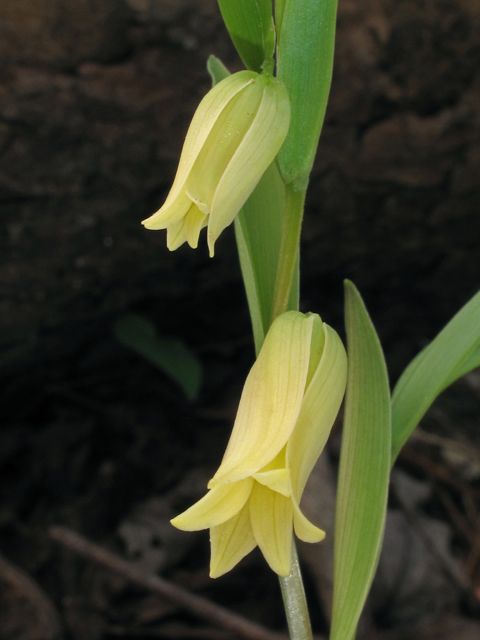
x,y
219,505
276,480
256,152
222,142
316,346
230,542
170,213
304,529
202,123
319,410
271,399
195,220
271,516
176,235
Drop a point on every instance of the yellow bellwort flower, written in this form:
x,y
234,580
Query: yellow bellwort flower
x,y
288,406
234,136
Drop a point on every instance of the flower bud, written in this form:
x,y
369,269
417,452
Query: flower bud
x,y
288,406
234,136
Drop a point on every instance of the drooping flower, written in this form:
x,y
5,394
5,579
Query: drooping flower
x,y
288,406
234,136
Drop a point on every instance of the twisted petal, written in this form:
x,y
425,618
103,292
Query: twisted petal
x,y
319,410
202,123
271,517
256,152
271,399
230,542
219,505
304,529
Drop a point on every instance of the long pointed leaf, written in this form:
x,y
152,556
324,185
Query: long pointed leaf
x,y
304,62
249,24
364,469
454,352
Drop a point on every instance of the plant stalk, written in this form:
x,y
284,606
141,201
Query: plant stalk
x,y
295,603
289,248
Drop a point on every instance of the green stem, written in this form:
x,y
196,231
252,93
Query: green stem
x,y
289,248
293,593
295,602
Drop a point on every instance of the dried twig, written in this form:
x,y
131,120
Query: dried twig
x,y
438,471
474,555
47,622
458,579
456,517
201,607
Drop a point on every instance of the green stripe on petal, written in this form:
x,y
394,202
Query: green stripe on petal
x,y
219,505
230,542
277,480
271,516
319,410
271,399
304,529
256,152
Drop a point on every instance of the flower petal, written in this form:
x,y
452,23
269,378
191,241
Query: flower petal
x,y
216,507
271,516
202,123
176,235
304,529
230,542
170,213
319,409
316,346
277,480
257,150
224,138
195,220
271,399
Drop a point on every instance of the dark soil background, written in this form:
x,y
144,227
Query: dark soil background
x,y
95,99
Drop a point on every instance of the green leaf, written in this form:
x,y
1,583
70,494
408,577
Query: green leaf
x,y
169,355
279,8
258,231
249,23
364,469
305,50
217,70
454,352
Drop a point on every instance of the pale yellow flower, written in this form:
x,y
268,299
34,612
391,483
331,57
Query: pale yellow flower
x,y
234,136
288,406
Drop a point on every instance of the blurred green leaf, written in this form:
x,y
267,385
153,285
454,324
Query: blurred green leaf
x,y
454,352
258,230
169,355
306,41
249,23
217,70
364,469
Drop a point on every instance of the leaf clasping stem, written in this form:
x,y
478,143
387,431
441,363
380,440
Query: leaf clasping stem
x,y
289,248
